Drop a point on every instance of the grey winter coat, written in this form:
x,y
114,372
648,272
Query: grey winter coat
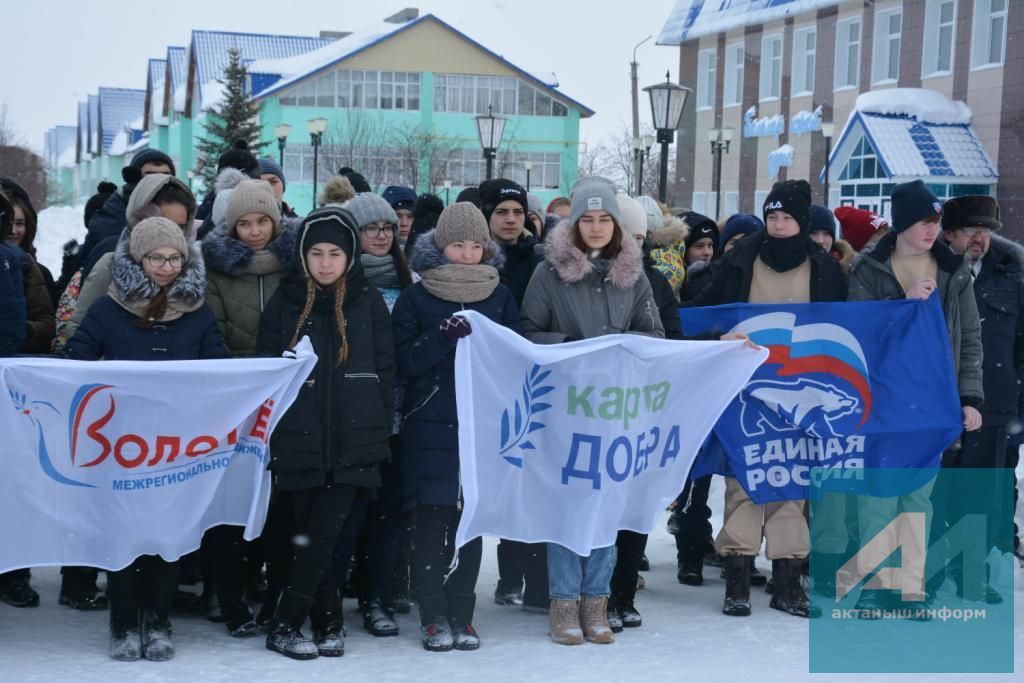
x,y
572,297
872,279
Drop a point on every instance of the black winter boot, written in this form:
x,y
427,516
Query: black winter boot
x,y
156,638
15,590
327,621
285,636
78,589
460,618
378,621
737,585
691,572
789,595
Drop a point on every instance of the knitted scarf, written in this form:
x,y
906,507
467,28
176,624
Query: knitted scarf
x,y
460,283
380,270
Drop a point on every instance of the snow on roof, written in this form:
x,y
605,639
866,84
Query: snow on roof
x,y
66,158
691,19
210,52
916,134
923,105
94,124
119,145
83,126
140,144
300,66
118,107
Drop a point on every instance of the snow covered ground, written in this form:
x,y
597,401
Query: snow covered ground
x,y
57,225
684,637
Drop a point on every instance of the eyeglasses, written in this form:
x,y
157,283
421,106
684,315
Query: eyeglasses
x,y
378,229
159,261
971,232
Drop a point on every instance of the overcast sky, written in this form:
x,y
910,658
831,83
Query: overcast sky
x,y
54,53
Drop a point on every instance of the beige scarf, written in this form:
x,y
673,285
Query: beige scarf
x,y
461,283
263,262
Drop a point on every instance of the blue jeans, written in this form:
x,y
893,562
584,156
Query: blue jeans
x,y
571,575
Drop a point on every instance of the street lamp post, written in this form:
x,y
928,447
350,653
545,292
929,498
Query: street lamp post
x,y
719,139
642,149
490,129
828,129
447,189
316,135
281,130
667,102
528,165
191,174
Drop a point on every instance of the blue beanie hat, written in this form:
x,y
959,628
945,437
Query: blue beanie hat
x,y
739,224
270,167
822,219
399,197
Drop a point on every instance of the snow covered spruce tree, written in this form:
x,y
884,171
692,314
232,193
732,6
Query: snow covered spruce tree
x,y
234,118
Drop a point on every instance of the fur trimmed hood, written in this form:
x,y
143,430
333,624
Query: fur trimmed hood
x,y
673,231
845,252
224,253
133,285
427,255
572,265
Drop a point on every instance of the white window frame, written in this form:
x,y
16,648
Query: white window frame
x,y
802,82
933,27
731,203
707,67
842,61
732,82
767,90
981,34
883,69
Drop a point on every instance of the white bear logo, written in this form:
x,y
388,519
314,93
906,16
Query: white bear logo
x,y
803,405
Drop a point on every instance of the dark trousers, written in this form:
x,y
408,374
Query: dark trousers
x,y
524,564
146,586
316,518
985,448
373,536
629,552
227,551
443,596
693,541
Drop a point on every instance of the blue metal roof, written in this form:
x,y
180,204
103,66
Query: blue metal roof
x,y
176,59
210,49
908,148
157,73
119,107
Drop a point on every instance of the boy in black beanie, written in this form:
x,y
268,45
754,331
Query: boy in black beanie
x,y
504,204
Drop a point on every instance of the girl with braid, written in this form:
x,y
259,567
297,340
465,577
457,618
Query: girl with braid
x,y
326,451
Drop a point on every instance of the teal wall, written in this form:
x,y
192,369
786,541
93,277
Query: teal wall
x,y
523,134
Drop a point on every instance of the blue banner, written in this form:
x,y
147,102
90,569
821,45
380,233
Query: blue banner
x,y
846,386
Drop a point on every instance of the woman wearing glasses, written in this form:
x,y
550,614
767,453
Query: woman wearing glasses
x,y
154,310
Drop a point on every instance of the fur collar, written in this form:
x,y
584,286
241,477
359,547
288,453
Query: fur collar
x,y
572,265
227,254
673,231
427,255
133,285
1007,253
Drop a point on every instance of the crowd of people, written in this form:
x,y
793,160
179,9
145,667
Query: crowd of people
x,y
365,463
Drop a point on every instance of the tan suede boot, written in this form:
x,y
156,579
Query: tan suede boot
x,y
564,622
594,616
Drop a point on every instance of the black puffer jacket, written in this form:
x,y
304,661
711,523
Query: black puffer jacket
x,y
731,277
105,228
337,429
999,291
521,259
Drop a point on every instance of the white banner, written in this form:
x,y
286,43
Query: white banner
x,y
569,443
101,462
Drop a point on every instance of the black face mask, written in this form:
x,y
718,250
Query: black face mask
x,y
782,254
